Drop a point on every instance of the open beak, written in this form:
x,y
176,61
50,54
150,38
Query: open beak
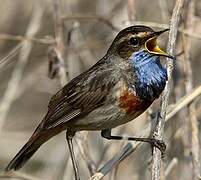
x,y
152,46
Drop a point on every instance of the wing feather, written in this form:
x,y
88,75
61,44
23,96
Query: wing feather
x,y
79,97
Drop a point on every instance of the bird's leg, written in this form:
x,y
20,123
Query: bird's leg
x,y
69,138
154,142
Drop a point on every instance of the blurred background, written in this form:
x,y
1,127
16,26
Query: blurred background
x,y
30,36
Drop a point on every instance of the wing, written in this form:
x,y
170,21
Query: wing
x,y
80,96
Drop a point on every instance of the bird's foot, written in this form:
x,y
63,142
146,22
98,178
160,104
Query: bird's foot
x,y
160,145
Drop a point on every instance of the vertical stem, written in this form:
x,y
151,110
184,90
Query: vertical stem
x,y
164,10
189,86
158,134
60,41
131,8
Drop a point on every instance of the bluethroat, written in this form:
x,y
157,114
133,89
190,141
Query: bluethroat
x,y
116,90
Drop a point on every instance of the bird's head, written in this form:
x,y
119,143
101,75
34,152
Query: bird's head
x,y
136,38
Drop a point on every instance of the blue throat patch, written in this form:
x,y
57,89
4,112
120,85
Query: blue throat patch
x,y
151,75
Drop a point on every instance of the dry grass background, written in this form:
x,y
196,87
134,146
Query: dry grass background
x,y
27,33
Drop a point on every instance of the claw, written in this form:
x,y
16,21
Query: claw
x,y
160,145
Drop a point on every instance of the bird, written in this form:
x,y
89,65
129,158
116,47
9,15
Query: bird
x,y
114,91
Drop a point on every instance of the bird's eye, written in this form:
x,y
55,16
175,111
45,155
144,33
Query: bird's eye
x,y
134,41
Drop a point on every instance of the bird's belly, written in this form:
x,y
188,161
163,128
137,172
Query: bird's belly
x,y
106,118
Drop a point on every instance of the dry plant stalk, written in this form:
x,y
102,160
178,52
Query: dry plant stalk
x,y
164,10
7,59
18,175
14,82
158,134
60,44
91,16
131,5
26,38
183,102
170,166
195,147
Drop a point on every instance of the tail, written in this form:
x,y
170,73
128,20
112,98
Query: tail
x,y
26,152
39,137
